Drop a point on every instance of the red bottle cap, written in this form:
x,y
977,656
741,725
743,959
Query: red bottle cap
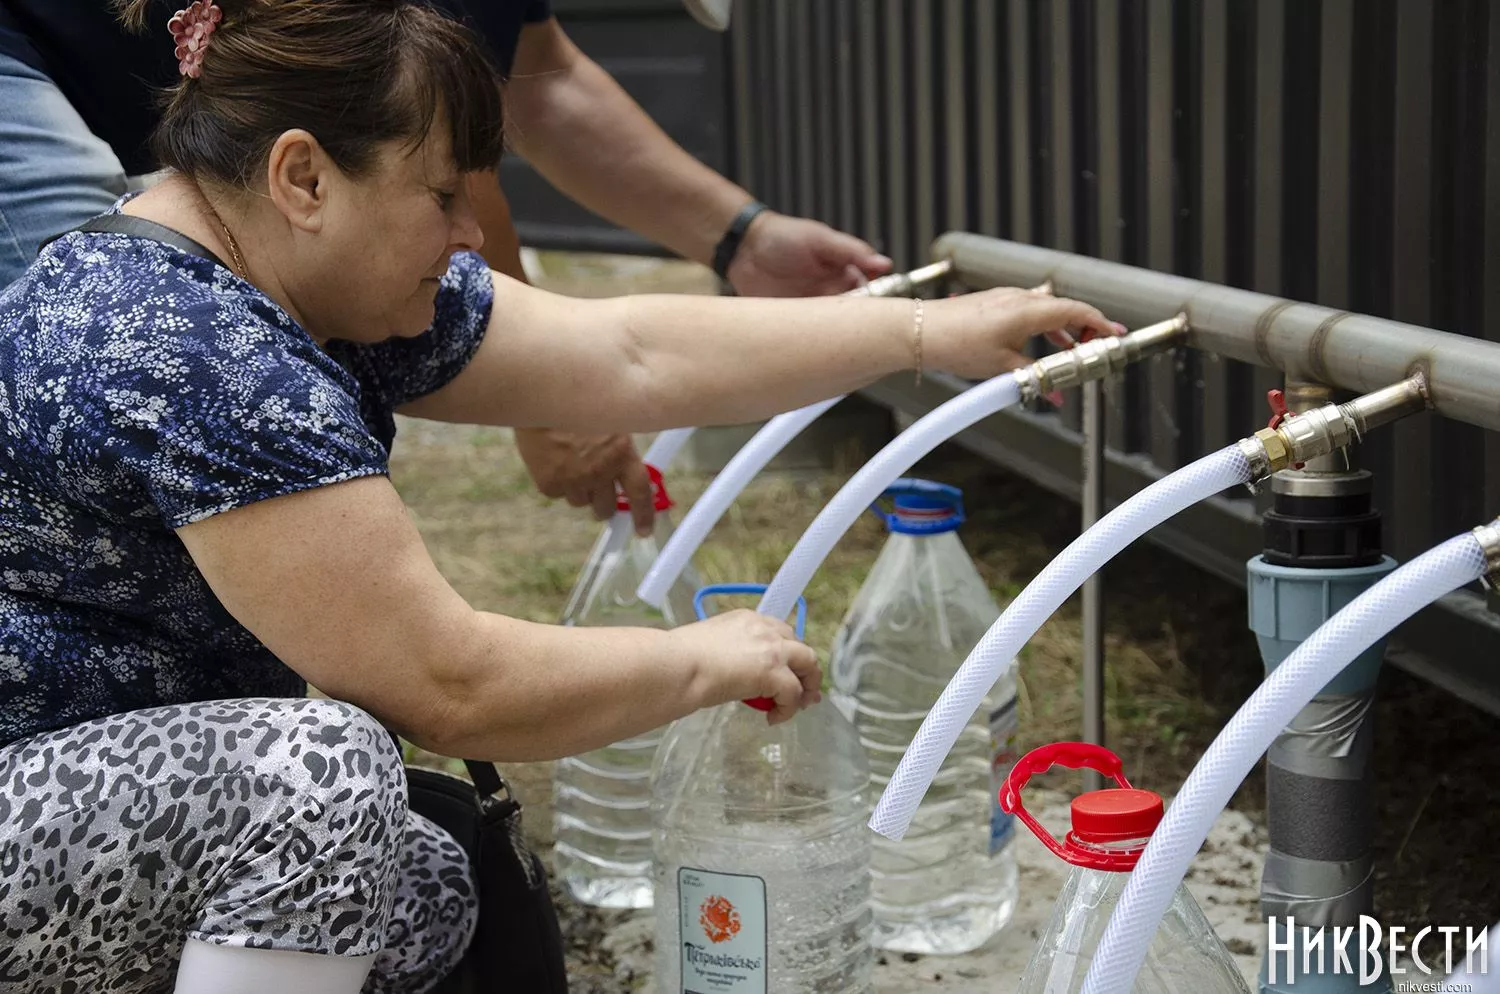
x,y
659,498
1103,816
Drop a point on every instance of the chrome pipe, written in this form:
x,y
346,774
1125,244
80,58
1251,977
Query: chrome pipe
x,y
1353,352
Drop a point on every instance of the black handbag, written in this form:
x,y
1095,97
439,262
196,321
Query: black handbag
x,y
518,944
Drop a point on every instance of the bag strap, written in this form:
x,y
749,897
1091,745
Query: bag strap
x,y
129,224
486,778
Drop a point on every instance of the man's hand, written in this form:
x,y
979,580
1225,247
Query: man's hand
x,y
785,256
583,470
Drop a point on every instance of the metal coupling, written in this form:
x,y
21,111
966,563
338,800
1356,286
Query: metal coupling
x,y
1263,451
1489,541
904,284
1316,433
1294,439
1096,359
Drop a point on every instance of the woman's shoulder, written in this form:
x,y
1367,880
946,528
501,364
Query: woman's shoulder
x,y
122,326
94,294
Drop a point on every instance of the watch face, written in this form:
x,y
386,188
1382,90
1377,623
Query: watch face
x,y
710,13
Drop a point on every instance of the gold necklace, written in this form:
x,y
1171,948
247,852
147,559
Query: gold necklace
x,y
235,255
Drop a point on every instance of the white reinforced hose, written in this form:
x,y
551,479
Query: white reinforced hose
x,y
866,486
715,500
1233,754
1042,597
665,446
663,449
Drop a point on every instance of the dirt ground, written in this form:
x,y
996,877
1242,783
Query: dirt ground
x,y
1179,662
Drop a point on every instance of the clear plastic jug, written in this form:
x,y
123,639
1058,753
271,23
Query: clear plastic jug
x,y
1110,830
951,883
602,799
762,857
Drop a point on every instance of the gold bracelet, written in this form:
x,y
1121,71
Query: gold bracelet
x,y
917,338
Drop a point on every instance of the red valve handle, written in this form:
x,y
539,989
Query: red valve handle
x,y
1075,756
1279,414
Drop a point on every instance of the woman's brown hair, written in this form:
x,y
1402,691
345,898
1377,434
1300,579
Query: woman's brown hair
x,y
353,73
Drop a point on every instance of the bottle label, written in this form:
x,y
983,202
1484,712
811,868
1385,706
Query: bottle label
x,y
722,926
1005,726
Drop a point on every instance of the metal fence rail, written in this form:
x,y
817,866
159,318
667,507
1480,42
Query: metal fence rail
x,y
1329,151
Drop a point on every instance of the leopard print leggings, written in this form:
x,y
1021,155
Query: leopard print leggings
x,y
278,824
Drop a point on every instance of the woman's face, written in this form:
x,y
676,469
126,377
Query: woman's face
x,y
387,239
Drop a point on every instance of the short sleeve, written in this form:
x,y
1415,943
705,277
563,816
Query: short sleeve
x,y
188,401
399,370
499,22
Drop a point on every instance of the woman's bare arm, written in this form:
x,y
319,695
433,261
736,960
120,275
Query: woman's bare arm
x,y
649,362
337,583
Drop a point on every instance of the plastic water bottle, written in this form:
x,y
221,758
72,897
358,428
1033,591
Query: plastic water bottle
x,y
761,850
1110,830
602,799
951,883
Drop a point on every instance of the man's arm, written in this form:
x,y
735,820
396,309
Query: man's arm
x,y
502,246
574,123
581,469
579,128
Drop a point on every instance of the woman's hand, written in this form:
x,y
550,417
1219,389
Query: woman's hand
x,y
742,654
981,334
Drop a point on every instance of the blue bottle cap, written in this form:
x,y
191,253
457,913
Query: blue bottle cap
x,y
922,507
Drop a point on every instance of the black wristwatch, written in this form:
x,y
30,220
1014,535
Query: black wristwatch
x,y
729,245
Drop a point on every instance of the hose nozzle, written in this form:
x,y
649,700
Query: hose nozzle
x,y
903,284
1489,540
1097,359
1293,439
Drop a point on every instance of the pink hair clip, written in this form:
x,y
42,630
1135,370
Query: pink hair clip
x,y
191,29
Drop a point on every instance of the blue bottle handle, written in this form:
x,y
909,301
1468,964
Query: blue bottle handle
x,y
718,589
919,488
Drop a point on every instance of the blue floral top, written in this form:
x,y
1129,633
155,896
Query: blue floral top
x,y
142,388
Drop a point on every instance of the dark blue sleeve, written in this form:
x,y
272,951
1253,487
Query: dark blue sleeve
x,y
499,22
201,432
400,370
181,401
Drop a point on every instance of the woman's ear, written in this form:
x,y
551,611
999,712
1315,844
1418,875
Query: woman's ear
x,y
298,175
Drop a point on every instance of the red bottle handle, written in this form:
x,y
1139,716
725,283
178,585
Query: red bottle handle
x,y
659,497
1075,756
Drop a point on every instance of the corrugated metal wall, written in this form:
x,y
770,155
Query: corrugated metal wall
x,y
1325,150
